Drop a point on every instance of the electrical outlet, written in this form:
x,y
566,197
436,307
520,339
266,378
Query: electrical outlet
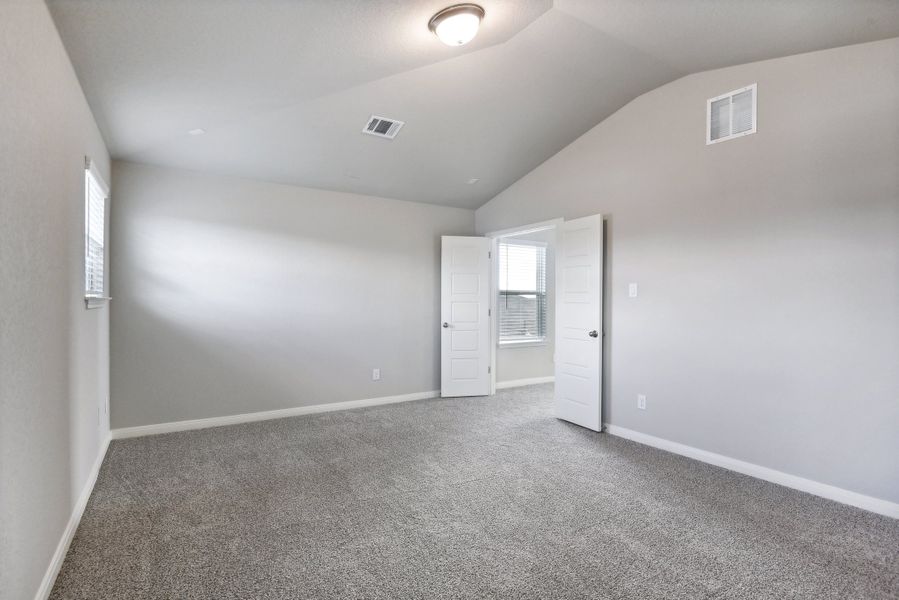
x,y
375,374
632,290
641,401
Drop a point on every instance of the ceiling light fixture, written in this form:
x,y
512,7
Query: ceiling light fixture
x,y
457,25
196,131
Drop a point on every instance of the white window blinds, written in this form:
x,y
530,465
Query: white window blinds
x,y
522,291
720,118
743,113
95,194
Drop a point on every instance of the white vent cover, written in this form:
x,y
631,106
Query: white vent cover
x,y
381,127
731,115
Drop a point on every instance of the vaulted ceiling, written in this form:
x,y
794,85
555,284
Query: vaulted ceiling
x,y
283,88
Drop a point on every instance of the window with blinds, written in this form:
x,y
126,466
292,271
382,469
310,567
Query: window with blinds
x,y
521,307
731,115
95,195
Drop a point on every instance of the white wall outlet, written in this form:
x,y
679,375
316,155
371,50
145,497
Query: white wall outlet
x,y
641,401
632,290
375,374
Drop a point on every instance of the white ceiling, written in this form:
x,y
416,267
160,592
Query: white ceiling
x,y
284,87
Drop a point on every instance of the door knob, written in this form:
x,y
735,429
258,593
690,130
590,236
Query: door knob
x,y
445,324
593,333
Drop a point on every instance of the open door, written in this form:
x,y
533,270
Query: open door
x,y
465,319
578,395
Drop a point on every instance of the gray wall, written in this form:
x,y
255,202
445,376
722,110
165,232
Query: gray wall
x,y
236,296
767,325
53,352
526,362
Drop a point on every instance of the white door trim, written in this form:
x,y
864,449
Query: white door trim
x,y
522,229
494,327
494,285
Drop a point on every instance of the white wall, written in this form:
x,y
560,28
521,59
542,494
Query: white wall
x,y
767,326
53,352
529,361
236,296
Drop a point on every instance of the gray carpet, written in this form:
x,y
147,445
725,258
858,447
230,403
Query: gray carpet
x,y
458,498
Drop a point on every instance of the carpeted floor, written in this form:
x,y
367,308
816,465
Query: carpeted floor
x,y
457,498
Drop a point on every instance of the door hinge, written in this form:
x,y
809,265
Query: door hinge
x,y
488,369
489,254
489,312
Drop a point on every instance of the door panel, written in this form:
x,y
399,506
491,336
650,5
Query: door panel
x,y
578,314
465,323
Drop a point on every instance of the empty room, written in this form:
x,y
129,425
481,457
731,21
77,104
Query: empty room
x,y
514,299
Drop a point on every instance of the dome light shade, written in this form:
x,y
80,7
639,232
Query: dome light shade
x,y
458,24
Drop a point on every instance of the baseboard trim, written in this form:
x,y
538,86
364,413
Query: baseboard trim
x,y
876,505
62,548
513,383
158,428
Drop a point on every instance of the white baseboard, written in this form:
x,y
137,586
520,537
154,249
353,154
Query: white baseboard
x,y
142,430
512,383
876,505
62,548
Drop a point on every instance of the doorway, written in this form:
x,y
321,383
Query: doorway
x,y
524,305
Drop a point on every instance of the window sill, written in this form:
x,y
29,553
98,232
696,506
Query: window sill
x,y
522,343
95,301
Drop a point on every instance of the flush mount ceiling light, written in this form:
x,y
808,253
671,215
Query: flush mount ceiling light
x,y
457,25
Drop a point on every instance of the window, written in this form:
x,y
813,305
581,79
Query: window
x,y
522,291
95,194
731,115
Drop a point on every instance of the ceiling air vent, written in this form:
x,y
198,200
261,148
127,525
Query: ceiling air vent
x,y
381,127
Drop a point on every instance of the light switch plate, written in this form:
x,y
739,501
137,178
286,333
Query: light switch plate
x,y
632,290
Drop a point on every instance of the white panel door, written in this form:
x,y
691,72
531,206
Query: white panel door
x,y
464,319
579,322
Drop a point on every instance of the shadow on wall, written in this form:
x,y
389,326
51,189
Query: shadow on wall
x,y
218,319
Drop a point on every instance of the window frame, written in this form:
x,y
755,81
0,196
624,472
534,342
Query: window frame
x,y
732,136
93,299
540,340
